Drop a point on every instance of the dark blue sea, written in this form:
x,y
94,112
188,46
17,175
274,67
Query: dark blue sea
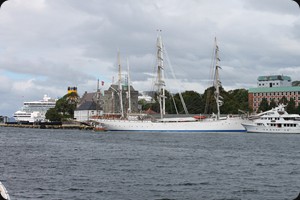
x,y
73,164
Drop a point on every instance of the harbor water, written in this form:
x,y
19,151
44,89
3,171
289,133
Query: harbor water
x,y
73,164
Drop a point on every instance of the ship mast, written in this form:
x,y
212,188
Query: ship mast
x,y
160,77
120,86
129,92
217,82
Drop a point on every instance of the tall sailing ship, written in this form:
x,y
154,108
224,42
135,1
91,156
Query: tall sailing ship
x,y
179,124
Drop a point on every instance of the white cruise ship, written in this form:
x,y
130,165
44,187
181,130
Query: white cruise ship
x,y
35,111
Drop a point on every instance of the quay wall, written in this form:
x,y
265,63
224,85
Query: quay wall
x,y
48,126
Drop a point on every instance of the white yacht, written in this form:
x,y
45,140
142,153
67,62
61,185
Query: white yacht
x,y
276,120
35,111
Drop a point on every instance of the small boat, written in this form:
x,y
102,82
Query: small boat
x,y
99,127
199,117
4,194
276,120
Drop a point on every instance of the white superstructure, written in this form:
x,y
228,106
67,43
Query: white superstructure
x,y
34,111
276,120
185,124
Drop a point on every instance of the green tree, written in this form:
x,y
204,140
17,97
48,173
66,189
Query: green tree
x,y
298,110
53,115
144,105
64,108
272,104
234,101
291,106
210,102
264,105
192,100
205,103
283,100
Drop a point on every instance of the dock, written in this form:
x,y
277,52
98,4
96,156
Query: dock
x,y
49,126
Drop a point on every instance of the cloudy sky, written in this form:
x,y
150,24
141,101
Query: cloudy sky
x,y
48,45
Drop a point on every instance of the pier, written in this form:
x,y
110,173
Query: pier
x,y
49,126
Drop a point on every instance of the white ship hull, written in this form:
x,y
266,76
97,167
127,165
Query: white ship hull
x,y
227,125
253,128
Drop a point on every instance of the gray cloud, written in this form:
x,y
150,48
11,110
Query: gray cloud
x,y
46,46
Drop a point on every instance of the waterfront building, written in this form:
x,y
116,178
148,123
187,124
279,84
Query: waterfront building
x,y
111,99
273,87
90,106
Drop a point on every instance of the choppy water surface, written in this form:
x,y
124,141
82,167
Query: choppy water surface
x,y
68,164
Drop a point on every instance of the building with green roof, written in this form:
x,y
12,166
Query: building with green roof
x,y
273,87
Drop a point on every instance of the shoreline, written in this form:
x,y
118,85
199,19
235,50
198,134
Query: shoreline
x,y
48,126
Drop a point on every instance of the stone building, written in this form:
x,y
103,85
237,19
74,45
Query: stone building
x,y
111,100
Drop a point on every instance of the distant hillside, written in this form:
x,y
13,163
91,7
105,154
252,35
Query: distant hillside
x,y
296,83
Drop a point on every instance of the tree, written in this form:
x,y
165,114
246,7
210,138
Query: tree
x,y
283,100
144,105
264,105
193,101
272,104
196,103
298,110
291,106
235,100
210,102
64,108
53,115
